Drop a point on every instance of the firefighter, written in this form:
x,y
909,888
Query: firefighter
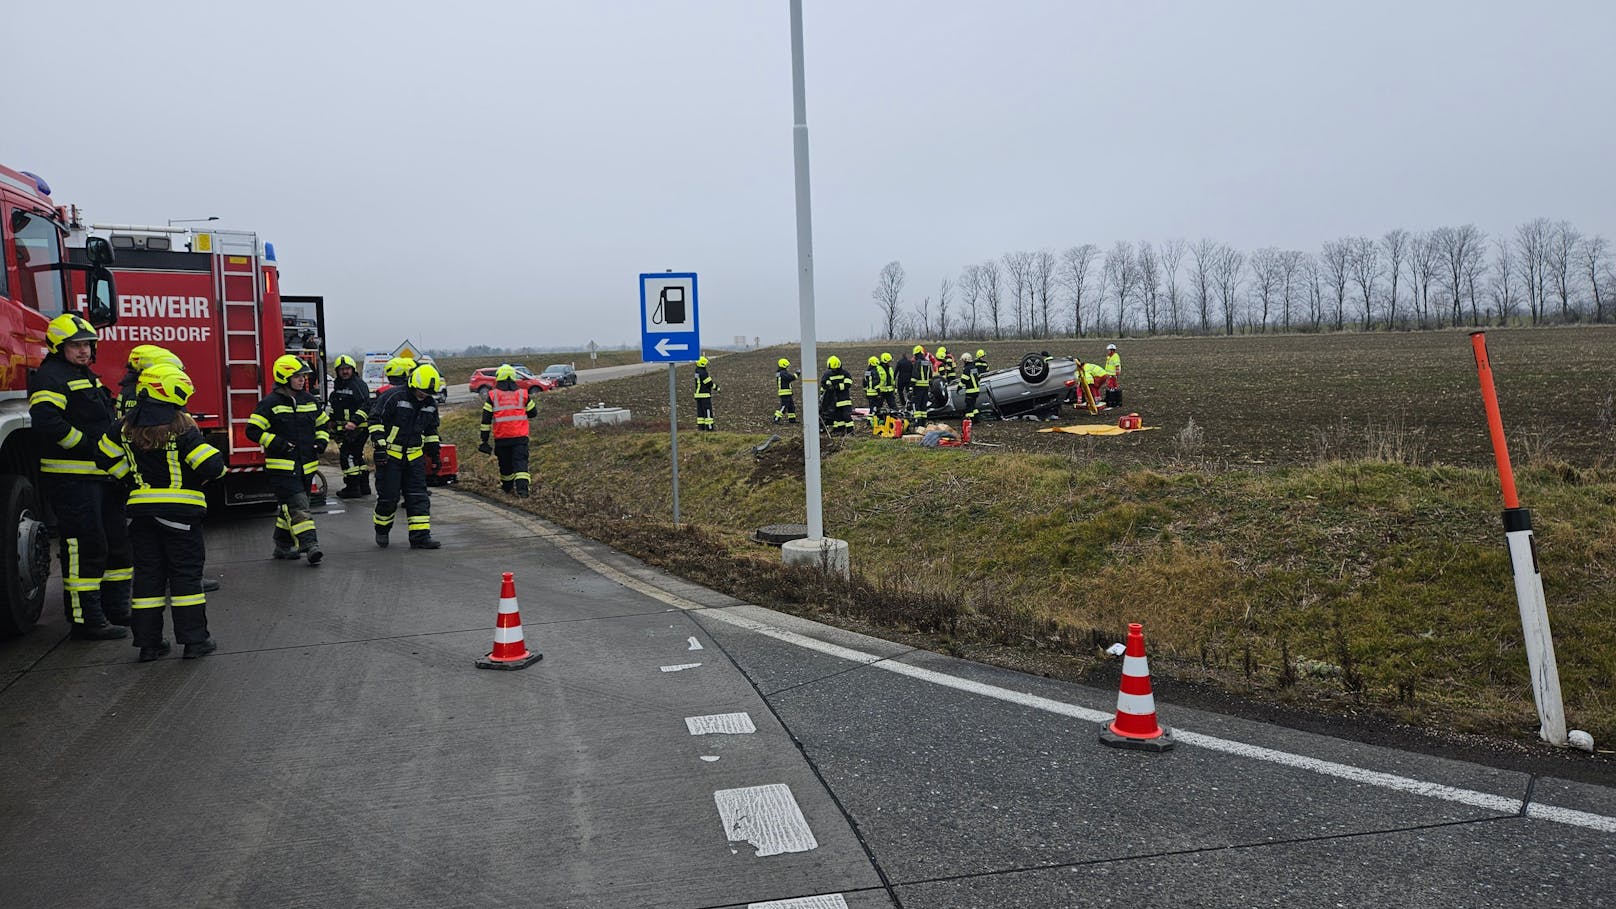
x,y
872,384
350,401
397,371
292,429
71,410
920,384
404,434
905,375
889,383
1113,376
970,384
159,450
506,411
838,396
705,389
1092,376
981,361
947,374
141,358
787,409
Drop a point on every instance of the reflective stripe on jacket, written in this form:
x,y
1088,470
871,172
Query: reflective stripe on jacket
x,y
70,410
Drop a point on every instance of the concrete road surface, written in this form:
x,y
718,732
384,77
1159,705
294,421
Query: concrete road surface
x,y
460,394
676,748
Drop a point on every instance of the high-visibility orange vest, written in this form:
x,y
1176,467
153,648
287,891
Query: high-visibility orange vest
x,y
510,412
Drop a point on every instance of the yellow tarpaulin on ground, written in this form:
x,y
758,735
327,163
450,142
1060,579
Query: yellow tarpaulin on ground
x,y
1096,430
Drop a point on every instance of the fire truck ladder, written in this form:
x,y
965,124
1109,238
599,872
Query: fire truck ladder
x,y
240,291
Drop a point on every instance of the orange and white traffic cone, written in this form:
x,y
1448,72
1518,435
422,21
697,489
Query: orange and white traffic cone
x,y
510,650
1135,725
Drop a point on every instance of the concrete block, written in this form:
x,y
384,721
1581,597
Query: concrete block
x,y
600,416
825,554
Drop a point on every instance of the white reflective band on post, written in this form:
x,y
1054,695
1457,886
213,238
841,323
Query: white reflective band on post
x,y
1135,666
1136,704
508,635
507,605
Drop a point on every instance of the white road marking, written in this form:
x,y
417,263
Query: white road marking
x,y
709,758
694,644
720,723
828,901
681,667
765,816
1502,804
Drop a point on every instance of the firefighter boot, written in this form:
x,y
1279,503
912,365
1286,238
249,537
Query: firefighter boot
x,y
207,646
285,545
350,489
309,545
424,541
115,601
93,624
364,483
522,489
155,652
381,538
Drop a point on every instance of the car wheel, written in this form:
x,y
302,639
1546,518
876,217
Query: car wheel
x,y
25,566
1033,369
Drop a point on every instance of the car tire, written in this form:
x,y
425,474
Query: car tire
x,y
25,565
1033,369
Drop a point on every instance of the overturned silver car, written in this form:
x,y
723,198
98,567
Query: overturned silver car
x,y
1034,387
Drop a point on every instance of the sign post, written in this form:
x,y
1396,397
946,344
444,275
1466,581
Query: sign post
x,y
670,333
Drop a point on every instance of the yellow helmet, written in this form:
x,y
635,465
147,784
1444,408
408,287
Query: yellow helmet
x,y
875,361
426,378
919,349
942,352
833,362
701,361
168,383
505,372
287,367
886,358
784,363
398,366
347,361
981,353
144,356
68,327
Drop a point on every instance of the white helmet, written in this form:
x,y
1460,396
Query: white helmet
x,y
1110,347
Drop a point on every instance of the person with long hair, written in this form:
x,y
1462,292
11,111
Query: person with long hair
x,y
157,449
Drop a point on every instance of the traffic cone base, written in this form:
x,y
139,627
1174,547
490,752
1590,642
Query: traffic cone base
x,y
1135,725
510,649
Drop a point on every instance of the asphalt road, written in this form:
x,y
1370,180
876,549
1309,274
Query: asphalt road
x,y
341,750
460,394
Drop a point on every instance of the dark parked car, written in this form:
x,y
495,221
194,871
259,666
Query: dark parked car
x,y
561,373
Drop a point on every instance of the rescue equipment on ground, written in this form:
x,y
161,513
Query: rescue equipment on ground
x,y
1131,421
1135,725
510,650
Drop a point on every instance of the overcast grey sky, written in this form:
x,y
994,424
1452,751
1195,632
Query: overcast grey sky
x,y
500,172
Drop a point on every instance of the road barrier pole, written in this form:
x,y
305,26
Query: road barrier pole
x,y
673,436
1523,561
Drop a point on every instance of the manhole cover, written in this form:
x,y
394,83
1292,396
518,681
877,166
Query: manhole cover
x,y
779,534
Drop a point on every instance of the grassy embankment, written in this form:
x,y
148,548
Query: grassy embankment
x,y
1345,586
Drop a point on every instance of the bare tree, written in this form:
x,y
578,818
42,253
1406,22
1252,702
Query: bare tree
x,y
888,294
923,318
1228,270
1172,253
1394,245
1266,277
1501,289
943,292
1074,276
1364,261
1313,276
1041,284
1291,263
1475,277
1335,260
1562,258
1149,284
988,275
1458,247
1122,273
1532,241
1015,268
1423,256
1596,266
1206,256
970,287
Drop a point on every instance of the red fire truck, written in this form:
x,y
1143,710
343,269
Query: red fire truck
x,y
34,289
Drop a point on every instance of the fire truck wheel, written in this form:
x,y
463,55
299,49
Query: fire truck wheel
x,y
25,566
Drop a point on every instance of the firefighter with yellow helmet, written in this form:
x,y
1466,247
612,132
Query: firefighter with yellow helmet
x,y
350,408
404,434
787,408
837,398
705,389
292,428
71,410
141,358
507,414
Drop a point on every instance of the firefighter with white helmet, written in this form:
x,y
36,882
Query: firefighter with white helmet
x,y
507,414
291,427
71,410
970,383
404,433
1113,376
158,449
350,409
787,408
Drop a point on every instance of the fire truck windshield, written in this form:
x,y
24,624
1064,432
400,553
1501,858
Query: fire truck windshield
x,y
39,252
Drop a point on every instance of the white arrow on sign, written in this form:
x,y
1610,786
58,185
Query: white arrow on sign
x,y
662,347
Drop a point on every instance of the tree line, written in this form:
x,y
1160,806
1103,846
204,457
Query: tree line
x,y
1544,272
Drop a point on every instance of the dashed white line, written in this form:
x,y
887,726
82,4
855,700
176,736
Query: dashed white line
x,y
720,724
680,667
767,817
694,644
828,901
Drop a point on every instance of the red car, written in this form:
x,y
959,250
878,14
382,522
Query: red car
x,y
483,379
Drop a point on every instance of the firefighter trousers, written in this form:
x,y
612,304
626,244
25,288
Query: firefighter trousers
x,y
398,477
96,562
512,457
294,526
787,410
168,572
351,458
704,413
